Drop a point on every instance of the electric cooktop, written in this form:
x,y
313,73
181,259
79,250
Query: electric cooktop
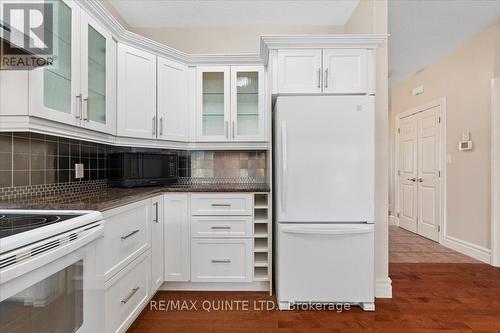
x,y
12,224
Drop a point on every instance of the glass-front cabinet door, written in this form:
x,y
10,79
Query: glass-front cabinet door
x,y
213,105
55,89
247,103
98,68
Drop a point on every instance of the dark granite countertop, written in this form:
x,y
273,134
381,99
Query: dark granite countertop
x,y
109,198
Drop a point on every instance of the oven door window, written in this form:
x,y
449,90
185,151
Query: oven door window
x,y
53,305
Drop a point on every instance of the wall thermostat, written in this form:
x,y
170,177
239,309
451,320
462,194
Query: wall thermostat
x,y
466,143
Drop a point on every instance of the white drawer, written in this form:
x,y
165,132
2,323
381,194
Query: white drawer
x,y
221,260
221,226
126,294
126,235
221,204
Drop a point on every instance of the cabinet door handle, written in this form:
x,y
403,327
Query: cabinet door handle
x,y
79,106
221,261
161,126
319,77
226,131
132,293
220,228
129,234
420,180
86,108
232,128
156,212
412,179
220,205
326,78
154,125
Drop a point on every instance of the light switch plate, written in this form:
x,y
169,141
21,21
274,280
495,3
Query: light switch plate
x,y
78,170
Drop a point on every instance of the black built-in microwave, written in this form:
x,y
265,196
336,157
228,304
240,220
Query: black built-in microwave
x,y
142,169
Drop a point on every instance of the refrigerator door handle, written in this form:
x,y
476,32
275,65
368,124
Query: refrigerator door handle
x,y
284,166
325,231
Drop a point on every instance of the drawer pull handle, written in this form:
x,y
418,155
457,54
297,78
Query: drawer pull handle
x,y
221,261
132,293
129,234
220,228
221,205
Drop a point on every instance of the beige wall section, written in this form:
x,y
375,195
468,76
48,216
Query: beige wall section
x,y
225,39
109,7
363,20
372,17
463,76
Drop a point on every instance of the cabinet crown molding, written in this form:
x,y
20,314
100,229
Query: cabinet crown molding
x,y
323,41
268,42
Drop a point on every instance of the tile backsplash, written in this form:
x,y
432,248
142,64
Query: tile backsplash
x,y
35,159
228,164
32,159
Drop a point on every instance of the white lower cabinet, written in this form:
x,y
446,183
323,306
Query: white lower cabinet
x,y
177,249
127,293
221,260
157,243
127,233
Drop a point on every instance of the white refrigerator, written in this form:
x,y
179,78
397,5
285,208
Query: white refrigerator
x,y
324,192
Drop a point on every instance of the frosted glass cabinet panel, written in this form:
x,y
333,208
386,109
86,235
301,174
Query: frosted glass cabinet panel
x,y
55,90
97,76
98,68
80,88
213,103
247,103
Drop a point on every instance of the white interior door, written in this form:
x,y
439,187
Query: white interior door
x,y
428,173
419,179
408,173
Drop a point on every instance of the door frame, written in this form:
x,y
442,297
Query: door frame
x,y
441,103
495,172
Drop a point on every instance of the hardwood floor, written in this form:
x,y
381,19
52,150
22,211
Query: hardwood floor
x,y
448,298
407,247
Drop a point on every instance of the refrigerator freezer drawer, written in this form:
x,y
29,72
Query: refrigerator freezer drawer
x,y
325,263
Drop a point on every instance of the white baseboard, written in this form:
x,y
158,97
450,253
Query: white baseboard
x,y
383,288
216,286
472,250
393,220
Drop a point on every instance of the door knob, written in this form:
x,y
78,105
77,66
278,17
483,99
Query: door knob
x,y
420,180
412,179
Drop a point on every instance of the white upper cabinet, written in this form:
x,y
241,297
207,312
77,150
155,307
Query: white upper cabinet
x,y
247,103
345,71
98,80
136,93
173,111
213,103
299,71
55,90
327,71
80,88
230,103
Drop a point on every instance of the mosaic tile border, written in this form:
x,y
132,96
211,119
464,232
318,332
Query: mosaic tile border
x,y
47,190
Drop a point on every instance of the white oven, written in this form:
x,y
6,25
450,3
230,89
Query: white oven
x,y
55,284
